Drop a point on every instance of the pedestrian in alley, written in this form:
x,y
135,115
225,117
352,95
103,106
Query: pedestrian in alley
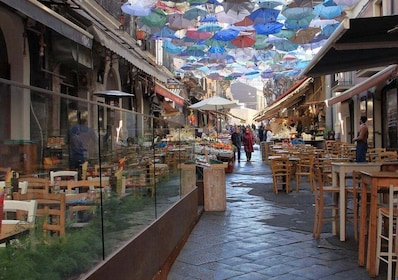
x,y
248,143
236,139
362,140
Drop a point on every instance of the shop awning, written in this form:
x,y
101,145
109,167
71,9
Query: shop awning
x,y
169,111
46,16
109,41
357,43
291,97
163,91
389,72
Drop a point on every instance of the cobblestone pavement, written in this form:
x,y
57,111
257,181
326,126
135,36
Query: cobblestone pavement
x,y
265,236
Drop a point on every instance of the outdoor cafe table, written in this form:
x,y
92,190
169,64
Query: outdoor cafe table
x,y
12,231
374,181
339,172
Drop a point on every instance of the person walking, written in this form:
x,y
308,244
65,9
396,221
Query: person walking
x,y
236,139
248,143
362,140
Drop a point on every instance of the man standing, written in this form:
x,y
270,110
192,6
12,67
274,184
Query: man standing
x,y
236,139
362,140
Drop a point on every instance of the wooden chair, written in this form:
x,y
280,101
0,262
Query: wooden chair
x,y
21,211
387,226
62,177
281,173
82,190
373,153
329,145
37,184
305,168
84,170
386,156
324,211
51,210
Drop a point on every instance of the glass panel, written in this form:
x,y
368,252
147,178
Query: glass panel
x,y
134,175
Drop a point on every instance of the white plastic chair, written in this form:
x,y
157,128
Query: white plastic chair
x,y
29,207
63,174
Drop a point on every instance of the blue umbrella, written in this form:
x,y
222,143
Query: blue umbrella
x,y
264,15
216,50
285,33
268,28
283,44
194,12
164,33
136,10
209,27
267,74
226,34
209,18
261,42
299,23
171,48
328,12
270,4
329,29
297,12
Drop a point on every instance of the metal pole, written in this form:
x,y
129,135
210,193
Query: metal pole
x,y
100,180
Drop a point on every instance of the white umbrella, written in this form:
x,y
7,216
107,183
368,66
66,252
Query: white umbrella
x,y
214,103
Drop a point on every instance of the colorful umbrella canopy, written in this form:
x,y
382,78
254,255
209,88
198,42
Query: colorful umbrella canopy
x,y
259,35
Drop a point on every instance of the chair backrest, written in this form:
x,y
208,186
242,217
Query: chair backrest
x,y
281,165
22,211
51,210
387,156
37,183
23,186
83,186
64,175
84,170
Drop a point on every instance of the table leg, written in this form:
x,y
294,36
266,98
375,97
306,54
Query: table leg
x,y
362,227
372,231
342,200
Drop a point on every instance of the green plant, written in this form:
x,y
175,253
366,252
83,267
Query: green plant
x,y
39,257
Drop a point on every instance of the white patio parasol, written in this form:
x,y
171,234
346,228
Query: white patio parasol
x,y
214,103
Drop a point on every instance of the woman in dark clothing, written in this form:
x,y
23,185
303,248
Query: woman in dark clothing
x,y
248,142
236,139
362,141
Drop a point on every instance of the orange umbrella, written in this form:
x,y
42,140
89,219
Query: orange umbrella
x,y
244,41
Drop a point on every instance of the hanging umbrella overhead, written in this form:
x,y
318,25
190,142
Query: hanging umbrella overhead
x,y
238,8
264,15
304,36
195,12
178,22
214,103
157,18
138,9
244,41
